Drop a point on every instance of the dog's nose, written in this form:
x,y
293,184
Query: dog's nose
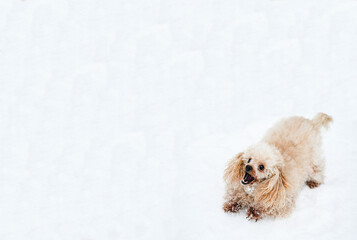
x,y
248,168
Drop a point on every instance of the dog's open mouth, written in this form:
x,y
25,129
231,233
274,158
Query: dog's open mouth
x,y
247,179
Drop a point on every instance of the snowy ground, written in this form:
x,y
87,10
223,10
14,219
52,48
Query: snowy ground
x,y
117,117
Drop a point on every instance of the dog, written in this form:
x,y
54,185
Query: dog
x,y
267,177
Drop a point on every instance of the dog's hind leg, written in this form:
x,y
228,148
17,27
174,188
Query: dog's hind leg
x,y
316,176
317,164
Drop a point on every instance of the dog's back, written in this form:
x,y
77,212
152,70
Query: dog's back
x,y
297,134
299,141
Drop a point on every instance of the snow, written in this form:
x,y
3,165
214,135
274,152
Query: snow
x,y
118,117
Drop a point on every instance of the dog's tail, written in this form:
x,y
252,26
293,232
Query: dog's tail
x,y
322,120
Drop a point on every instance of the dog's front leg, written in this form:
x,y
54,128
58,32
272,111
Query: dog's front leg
x,y
232,206
254,214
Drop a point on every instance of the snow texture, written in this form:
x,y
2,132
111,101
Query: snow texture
x,y
118,117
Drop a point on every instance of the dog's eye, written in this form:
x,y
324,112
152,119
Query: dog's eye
x,y
261,167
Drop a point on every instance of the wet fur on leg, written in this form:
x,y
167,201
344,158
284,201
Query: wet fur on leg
x,y
312,184
253,214
232,207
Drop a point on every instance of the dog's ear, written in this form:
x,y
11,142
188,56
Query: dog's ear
x,y
234,171
273,191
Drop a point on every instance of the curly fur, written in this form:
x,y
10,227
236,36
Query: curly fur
x,y
291,155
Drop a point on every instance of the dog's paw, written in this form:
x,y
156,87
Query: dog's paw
x,y
232,207
312,184
253,214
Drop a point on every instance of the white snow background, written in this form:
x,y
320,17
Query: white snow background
x,y
118,117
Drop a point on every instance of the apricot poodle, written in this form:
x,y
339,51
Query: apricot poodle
x,y
266,178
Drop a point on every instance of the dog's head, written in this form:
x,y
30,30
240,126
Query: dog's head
x,y
260,165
